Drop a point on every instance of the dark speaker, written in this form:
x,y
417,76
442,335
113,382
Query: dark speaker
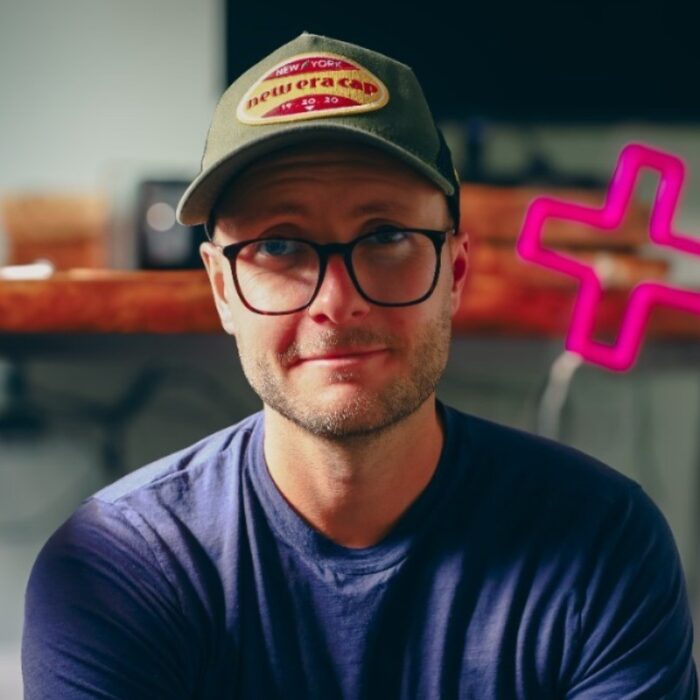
x,y
162,242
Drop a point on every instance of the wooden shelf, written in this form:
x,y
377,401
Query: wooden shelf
x,y
103,301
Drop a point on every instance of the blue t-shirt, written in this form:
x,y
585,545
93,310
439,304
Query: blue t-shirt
x,y
524,570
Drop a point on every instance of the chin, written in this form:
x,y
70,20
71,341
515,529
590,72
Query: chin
x,y
344,412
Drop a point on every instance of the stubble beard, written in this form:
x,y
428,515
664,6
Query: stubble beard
x,y
369,413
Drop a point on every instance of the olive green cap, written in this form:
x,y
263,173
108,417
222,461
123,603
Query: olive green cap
x,y
311,89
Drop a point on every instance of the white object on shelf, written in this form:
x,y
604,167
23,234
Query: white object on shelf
x,y
39,270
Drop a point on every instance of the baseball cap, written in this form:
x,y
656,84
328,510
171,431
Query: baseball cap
x,y
317,88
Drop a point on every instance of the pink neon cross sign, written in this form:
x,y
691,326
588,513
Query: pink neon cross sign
x,y
621,355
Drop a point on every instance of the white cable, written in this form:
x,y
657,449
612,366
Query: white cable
x,y
555,394
564,367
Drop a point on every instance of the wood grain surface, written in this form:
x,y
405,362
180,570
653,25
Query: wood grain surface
x,y
101,301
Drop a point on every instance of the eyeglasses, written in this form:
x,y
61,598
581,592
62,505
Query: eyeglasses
x,y
389,267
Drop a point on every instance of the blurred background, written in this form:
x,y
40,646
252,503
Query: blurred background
x,y
110,354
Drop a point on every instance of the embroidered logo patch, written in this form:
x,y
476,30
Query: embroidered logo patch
x,y
312,86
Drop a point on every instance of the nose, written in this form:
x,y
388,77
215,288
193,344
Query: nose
x,y
338,300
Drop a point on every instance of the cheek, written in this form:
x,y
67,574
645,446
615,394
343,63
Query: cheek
x,y
432,323
410,325
440,301
260,336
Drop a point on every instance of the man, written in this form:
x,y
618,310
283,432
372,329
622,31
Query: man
x,y
357,538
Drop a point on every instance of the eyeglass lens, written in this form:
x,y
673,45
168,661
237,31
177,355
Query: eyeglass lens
x,y
276,275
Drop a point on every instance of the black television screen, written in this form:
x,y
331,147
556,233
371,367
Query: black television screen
x,y
576,61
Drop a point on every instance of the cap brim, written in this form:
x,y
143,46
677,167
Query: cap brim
x,y
200,197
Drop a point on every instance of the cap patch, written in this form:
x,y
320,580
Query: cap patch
x,y
312,86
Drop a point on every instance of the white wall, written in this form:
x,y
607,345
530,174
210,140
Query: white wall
x,y
93,90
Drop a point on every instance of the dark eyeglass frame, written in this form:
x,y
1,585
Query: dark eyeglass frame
x,y
324,251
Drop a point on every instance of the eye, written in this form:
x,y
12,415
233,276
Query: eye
x,y
277,247
388,237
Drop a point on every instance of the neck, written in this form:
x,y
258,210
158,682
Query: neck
x,y
354,491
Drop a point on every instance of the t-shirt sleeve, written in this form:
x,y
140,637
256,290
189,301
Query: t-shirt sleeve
x,y
101,619
635,631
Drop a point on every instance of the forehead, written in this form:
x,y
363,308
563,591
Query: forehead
x,y
311,171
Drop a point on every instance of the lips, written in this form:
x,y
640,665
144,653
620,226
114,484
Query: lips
x,y
336,346
341,354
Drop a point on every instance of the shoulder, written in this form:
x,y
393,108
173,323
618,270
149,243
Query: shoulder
x,y
173,483
211,459
593,534
158,519
104,610
535,492
154,523
534,466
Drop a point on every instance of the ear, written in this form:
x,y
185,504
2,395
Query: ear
x,y
217,267
459,258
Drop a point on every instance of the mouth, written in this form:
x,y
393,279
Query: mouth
x,y
339,356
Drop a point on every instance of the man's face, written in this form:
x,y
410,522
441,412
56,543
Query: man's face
x,y
343,367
